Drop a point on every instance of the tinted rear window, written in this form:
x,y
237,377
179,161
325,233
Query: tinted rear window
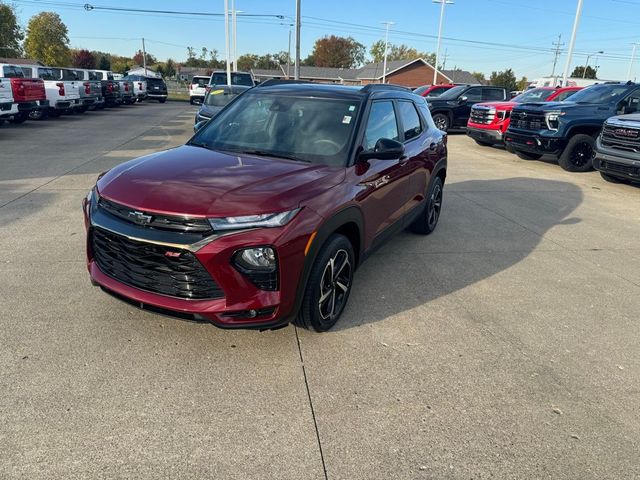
x,y
47,74
156,82
70,75
200,81
12,72
220,78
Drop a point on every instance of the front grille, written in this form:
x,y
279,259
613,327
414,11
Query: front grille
x,y
621,137
527,120
482,115
173,223
620,168
150,267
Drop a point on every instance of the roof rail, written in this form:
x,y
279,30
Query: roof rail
x,y
275,81
384,86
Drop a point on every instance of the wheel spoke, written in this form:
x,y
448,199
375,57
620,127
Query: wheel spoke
x,y
333,303
344,264
324,296
342,286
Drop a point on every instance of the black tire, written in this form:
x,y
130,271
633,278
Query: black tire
x,y
19,118
38,115
427,222
611,178
1,121
578,154
162,100
191,101
53,113
328,287
528,156
482,143
442,121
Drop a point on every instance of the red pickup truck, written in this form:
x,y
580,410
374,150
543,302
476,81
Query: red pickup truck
x,y
28,93
489,121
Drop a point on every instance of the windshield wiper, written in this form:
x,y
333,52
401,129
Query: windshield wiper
x,y
265,153
199,144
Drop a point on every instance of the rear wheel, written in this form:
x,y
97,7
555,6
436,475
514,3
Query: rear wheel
x,y
442,121
329,285
578,154
37,115
162,100
191,101
528,156
427,222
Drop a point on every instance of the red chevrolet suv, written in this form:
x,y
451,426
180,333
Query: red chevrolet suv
x,y
264,215
489,121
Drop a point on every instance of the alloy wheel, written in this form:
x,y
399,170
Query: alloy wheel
x,y
581,154
435,204
334,285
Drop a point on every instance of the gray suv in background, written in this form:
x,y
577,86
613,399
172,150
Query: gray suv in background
x,y
618,149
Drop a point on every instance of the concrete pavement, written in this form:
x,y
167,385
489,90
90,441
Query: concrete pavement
x,y
505,345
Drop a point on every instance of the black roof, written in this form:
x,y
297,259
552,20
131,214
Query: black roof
x,y
303,88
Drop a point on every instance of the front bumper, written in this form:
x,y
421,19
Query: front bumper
x,y
485,134
620,164
241,296
534,143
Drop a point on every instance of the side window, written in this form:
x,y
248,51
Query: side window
x,y
28,71
632,102
473,94
410,120
381,124
492,94
564,95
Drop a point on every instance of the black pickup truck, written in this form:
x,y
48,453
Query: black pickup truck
x,y
568,130
618,149
452,109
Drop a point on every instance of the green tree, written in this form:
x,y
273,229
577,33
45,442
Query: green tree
x,y
479,76
399,52
505,78
590,73
523,83
170,68
104,63
338,52
47,40
10,32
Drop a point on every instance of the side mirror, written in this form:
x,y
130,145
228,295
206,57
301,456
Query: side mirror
x,y
463,99
385,149
199,125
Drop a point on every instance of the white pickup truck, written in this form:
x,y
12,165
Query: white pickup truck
x,y
7,107
198,89
140,91
63,95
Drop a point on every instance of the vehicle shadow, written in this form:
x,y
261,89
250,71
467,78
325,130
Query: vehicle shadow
x,y
486,227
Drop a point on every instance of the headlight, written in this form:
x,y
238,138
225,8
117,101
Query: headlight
x,y
502,114
267,220
552,119
256,258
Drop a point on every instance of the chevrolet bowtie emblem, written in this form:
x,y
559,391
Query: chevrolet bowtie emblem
x,y
139,217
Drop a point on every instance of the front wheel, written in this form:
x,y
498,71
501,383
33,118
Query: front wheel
x,y
329,285
578,154
442,121
427,222
162,100
528,156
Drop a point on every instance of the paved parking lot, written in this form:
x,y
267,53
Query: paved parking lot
x,y
506,345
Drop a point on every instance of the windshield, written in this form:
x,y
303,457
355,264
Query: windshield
x,y
600,94
220,78
221,97
453,92
421,90
315,130
533,95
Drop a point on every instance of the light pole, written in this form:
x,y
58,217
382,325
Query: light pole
x,y
386,48
435,67
289,55
297,65
584,70
633,58
576,23
226,39
233,33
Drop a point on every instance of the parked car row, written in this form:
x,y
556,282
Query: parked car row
x,y
36,92
594,127
201,84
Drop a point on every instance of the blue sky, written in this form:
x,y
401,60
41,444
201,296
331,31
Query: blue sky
x,y
520,29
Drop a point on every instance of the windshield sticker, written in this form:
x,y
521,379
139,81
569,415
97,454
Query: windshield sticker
x,y
352,108
346,119
217,92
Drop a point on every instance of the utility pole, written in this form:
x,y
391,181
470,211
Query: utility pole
x,y
444,59
226,39
144,58
289,55
558,44
297,66
633,57
435,67
235,36
386,48
576,23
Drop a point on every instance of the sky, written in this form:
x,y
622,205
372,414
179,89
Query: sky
x,y
478,35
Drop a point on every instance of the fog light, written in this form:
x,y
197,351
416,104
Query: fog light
x,y
258,258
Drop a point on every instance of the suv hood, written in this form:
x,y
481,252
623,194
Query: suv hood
x,y
497,105
194,181
566,106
